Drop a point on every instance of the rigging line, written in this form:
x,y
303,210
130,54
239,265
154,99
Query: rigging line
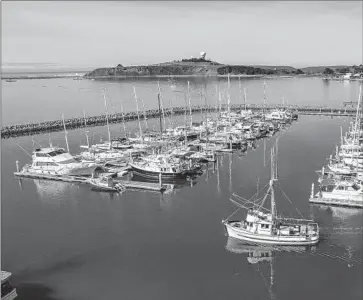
x,y
23,149
232,213
290,201
234,194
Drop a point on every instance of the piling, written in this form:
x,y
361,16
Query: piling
x,y
312,191
17,166
160,180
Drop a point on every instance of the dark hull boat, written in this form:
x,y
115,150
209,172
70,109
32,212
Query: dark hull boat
x,y
155,174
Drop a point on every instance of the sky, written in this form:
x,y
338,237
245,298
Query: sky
x,y
98,33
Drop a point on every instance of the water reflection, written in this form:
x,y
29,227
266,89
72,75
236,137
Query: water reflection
x,y
51,191
258,255
341,230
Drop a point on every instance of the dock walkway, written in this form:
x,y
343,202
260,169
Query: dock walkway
x,y
139,185
336,202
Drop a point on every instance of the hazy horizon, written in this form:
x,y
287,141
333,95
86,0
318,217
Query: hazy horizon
x,y
101,34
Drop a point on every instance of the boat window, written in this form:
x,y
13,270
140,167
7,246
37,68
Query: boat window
x,y
355,187
45,164
174,170
6,288
41,155
67,161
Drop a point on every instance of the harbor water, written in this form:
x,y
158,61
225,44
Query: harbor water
x,y
64,241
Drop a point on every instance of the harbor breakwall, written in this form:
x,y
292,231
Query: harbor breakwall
x,y
9,131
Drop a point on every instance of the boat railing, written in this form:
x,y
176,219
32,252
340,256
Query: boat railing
x,y
294,221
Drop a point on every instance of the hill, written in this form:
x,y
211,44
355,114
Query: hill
x,y
202,67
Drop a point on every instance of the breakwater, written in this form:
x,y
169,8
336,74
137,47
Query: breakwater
x,y
74,123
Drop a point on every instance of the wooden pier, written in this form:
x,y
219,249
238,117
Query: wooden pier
x,y
9,131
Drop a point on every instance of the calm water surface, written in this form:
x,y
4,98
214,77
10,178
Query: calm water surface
x,y
46,99
64,241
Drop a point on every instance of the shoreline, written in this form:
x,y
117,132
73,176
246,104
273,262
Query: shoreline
x,y
82,77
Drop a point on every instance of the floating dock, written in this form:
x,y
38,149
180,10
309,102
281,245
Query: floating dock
x,y
139,185
336,202
65,178
74,123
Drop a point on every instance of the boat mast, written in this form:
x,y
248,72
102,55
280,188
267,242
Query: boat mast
x,y
229,99
137,111
245,94
273,207
161,104
123,119
190,107
264,98
220,100
161,123
108,125
205,103
65,132
145,118
85,126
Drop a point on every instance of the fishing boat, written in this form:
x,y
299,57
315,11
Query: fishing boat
x,y
265,226
8,292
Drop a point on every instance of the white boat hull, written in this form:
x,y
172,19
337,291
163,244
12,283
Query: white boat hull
x,y
240,234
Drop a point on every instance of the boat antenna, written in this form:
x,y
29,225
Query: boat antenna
x,y
65,133
108,125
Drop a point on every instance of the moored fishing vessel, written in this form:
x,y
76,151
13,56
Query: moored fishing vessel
x,y
162,166
266,227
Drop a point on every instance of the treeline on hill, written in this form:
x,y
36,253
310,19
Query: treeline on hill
x,y
354,69
189,69
236,70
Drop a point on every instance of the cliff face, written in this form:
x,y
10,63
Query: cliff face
x,y
187,68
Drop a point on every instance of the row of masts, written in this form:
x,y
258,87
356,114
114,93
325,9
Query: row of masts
x,y
162,121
